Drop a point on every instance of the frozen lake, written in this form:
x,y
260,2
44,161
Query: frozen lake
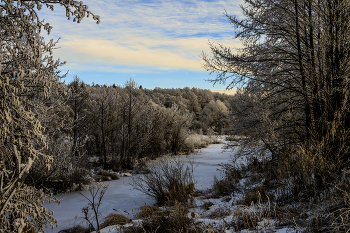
x,y
123,198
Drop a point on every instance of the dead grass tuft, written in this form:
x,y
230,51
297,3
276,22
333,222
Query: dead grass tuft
x,y
76,229
106,176
115,219
254,195
220,213
148,211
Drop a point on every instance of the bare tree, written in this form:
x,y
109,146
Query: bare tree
x,y
295,64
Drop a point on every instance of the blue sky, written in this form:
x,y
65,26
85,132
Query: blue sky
x,y
155,42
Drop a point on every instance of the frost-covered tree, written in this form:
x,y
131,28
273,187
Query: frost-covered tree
x,y
215,115
295,58
28,75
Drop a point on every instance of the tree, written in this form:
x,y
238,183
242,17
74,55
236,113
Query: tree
x,y
28,74
295,60
78,106
215,115
103,104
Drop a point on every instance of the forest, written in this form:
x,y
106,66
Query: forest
x,y
288,124
117,127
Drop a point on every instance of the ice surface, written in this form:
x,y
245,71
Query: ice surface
x,y
123,198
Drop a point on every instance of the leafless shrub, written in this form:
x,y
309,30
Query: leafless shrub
x,y
96,188
229,183
170,179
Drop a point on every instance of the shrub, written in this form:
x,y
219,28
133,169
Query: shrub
x,y
96,188
222,187
170,179
197,141
65,171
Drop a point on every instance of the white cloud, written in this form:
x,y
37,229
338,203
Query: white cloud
x,y
172,53
164,33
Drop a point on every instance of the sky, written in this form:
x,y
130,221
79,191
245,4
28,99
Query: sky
x,y
157,43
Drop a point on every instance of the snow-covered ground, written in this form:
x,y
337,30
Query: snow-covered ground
x,y
123,198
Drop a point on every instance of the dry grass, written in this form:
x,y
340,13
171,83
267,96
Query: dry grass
x,y
76,229
106,176
206,205
254,196
171,219
148,211
256,217
115,219
220,213
198,141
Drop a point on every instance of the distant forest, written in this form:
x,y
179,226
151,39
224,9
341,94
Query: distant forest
x,y
118,126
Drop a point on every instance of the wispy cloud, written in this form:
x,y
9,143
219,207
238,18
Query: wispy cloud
x,y
180,53
159,34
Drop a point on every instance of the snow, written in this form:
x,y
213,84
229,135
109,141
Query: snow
x,y
122,197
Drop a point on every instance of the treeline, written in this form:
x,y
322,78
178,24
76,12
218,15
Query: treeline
x,y
117,127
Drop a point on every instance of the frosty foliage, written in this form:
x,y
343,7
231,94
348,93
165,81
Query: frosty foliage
x,y
28,76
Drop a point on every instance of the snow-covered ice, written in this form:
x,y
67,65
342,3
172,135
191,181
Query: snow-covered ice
x,y
123,198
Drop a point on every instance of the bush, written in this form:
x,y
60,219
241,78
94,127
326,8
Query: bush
x,y
65,171
170,179
198,141
229,183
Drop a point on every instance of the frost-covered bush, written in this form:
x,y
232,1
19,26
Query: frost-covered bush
x,y
170,179
197,141
66,169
